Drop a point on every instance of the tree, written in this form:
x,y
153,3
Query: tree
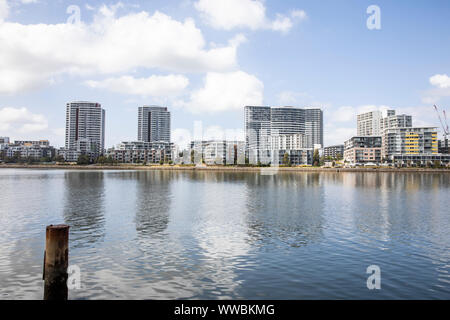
x,y
59,158
101,159
286,160
192,156
436,164
83,160
316,158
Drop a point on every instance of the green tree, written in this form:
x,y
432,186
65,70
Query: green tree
x,y
59,158
101,160
316,158
286,160
83,160
192,156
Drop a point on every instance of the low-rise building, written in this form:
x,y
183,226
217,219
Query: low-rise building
x,y
29,143
35,151
295,157
334,152
443,146
363,149
142,152
219,152
4,140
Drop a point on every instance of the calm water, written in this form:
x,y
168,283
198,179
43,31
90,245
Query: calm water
x,y
211,235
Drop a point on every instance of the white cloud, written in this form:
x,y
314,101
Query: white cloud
x,y
338,135
440,81
4,10
344,114
226,92
32,55
155,86
21,121
300,14
230,14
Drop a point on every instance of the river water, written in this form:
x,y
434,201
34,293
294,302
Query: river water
x,y
227,235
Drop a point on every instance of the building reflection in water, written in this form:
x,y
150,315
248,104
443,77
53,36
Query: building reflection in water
x,y
84,207
285,209
153,202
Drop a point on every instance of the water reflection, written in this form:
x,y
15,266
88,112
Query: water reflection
x,y
208,235
281,211
84,207
153,201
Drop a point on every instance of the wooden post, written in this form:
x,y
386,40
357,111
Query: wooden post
x,y
56,262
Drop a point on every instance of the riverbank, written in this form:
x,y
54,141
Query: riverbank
x,y
216,168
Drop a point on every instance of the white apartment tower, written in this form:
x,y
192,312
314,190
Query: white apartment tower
x,y
153,124
85,127
262,122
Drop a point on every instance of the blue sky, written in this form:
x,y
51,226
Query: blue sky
x,y
206,59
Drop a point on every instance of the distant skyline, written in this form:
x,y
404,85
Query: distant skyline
x,y
206,59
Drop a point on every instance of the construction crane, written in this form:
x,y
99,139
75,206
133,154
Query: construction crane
x,y
444,123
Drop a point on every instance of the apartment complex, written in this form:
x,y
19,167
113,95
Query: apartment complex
x,y
334,152
141,152
34,150
400,141
412,140
218,152
264,124
443,146
4,140
314,126
153,124
369,123
85,130
395,121
363,149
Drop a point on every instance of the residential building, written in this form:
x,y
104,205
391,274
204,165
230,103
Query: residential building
x,y
334,152
289,142
142,152
369,123
409,141
296,157
363,149
421,159
35,151
314,125
42,143
263,122
443,146
85,127
153,124
395,121
257,131
218,152
4,140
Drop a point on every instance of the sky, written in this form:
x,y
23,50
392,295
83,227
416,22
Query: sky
x,y
206,59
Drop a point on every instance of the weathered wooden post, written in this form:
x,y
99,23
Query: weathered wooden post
x,y
56,262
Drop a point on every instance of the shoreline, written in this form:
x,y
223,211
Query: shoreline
x,y
215,168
